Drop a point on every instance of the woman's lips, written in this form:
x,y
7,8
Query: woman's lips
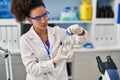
x,y
44,25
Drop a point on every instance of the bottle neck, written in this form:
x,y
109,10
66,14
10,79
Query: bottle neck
x,y
85,1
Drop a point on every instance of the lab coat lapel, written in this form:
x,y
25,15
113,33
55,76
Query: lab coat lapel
x,y
34,36
51,36
38,43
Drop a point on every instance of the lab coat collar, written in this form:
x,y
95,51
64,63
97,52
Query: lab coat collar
x,y
51,36
34,35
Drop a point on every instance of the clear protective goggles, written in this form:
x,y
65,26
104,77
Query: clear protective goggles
x,y
45,15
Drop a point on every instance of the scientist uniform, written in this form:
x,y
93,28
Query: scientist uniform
x,y
37,63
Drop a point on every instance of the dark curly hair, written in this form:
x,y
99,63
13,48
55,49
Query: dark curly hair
x,y
21,8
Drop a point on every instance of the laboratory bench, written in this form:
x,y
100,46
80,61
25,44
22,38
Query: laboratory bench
x,y
83,64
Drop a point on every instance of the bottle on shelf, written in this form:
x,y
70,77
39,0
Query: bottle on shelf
x,y
65,14
76,13
111,12
85,10
69,14
102,12
5,9
98,12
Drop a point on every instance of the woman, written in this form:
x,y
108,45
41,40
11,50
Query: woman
x,y
39,50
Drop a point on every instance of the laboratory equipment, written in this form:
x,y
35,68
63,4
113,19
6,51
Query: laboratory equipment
x,y
108,69
88,45
68,43
8,63
76,16
118,19
65,14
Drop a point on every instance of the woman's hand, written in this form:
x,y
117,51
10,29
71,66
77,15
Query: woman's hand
x,y
75,29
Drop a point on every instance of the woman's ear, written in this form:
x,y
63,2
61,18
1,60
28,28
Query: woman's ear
x,y
30,20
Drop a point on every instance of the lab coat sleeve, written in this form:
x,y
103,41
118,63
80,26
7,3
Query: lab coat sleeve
x,y
81,39
32,65
78,39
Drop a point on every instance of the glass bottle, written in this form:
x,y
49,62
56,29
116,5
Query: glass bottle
x,y
68,43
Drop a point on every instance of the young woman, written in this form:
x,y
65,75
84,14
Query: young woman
x,y
39,50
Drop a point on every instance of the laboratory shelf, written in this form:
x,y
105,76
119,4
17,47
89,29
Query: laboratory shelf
x,y
8,22
61,22
12,52
97,49
105,20
64,22
4,10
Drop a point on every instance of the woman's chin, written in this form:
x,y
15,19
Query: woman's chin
x,y
44,27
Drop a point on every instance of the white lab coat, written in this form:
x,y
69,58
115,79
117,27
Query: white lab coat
x,y
35,58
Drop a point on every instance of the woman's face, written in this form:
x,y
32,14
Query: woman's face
x,y
39,19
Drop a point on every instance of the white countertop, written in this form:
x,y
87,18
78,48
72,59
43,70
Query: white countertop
x,y
78,49
97,49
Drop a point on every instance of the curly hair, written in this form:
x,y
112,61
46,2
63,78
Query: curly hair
x,y
21,8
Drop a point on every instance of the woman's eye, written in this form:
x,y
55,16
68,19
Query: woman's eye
x,y
38,19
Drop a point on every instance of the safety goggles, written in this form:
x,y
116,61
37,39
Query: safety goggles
x,y
45,15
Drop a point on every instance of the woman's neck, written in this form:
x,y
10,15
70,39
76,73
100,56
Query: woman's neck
x,y
40,31
42,34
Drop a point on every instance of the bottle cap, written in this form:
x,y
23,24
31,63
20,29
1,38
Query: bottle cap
x,y
68,32
61,43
